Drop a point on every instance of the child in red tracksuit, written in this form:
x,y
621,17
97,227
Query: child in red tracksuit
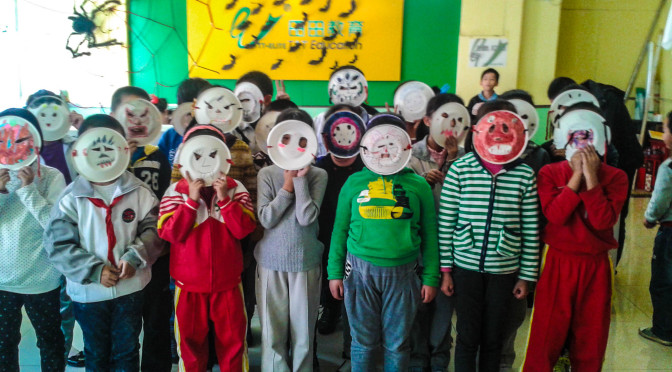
x,y
582,199
204,226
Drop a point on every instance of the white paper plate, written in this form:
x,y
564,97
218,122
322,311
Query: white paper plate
x,y
141,120
53,115
344,131
251,99
451,118
292,144
9,137
500,152
218,106
386,149
263,128
410,100
100,155
528,113
181,117
203,157
348,86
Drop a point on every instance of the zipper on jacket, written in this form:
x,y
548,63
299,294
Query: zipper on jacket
x,y
488,221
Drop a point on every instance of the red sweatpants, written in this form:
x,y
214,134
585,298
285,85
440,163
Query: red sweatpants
x,y
226,310
572,300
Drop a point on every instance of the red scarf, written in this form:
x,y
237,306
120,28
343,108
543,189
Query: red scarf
x,y
111,238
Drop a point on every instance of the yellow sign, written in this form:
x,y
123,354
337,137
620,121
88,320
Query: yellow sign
x,y
294,39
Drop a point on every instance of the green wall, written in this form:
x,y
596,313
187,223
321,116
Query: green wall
x,y
158,55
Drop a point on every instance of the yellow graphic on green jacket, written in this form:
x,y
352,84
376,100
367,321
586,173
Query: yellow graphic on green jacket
x,y
384,201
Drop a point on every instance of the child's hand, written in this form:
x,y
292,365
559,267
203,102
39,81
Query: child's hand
x,y
109,276
127,270
428,293
220,186
649,225
434,177
451,147
447,284
289,180
195,187
76,119
576,162
520,290
26,175
132,146
303,171
4,179
591,162
280,89
336,288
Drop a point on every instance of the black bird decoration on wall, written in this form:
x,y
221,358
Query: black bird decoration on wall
x,y
276,64
326,7
353,60
295,47
335,66
352,44
316,62
231,4
353,7
279,2
330,37
302,24
258,8
268,25
244,25
231,64
253,43
305,2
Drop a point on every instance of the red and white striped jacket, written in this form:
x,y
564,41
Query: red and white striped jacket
x,y
205,252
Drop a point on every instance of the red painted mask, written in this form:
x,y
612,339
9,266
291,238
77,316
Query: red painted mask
x,y
500,137
16,143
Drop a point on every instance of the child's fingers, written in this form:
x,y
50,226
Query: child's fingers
x,y
188,177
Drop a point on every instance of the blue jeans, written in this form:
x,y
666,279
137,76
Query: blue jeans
x,y
381,303
111,330
661,284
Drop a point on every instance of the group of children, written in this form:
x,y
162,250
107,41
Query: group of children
x,y
391,250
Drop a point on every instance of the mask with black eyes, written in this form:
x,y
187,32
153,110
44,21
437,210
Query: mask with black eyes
x,y
348,86
450,120
500,137
292,144
386,149
252,101
19,142
100,154
218,106
141,120
53,115
528,113
204,157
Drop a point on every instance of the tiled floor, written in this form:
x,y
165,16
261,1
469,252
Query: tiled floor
x,y
626,351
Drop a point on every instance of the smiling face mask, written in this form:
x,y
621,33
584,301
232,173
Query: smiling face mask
x,y
205,157
292,144
500,137
53,115
220,107
348,86
251,99
141,121
451,119
100,154
19,142
562,102
410,100
344,131
581,128
386,149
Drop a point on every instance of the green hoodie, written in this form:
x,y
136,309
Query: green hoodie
x,y
386,220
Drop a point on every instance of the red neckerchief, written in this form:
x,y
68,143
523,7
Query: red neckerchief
x,y
111,238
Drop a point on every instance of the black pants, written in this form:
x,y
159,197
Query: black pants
x,y
44,313
482,302
661,284
156,312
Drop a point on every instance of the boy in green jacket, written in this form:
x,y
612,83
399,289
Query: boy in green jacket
x,y
385,218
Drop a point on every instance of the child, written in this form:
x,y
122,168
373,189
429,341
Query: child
x,y
430,337
28,278
659,211
488,235
264,84
204,225
289,257
102,237
383,222
489,80
581,198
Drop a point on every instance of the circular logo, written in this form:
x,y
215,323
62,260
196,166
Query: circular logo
x,y
128,216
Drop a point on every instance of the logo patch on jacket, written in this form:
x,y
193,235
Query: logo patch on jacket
x,y
128,216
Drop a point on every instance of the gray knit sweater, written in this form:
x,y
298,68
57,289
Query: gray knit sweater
x,y
290,220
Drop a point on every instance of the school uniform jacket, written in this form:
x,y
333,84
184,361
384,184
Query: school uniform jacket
x,y
79,240
205,253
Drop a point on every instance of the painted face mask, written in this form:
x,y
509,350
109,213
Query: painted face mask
x,y
500,137
386,149
528,113
410,100
292,144
450,120
53,115
344,131
220,107
581,128
251,99
181,118
100,154
264,126
141,120
203,156
19,142
560,103
348,87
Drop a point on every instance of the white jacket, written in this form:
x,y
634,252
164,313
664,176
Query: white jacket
x,y
24,214
77,242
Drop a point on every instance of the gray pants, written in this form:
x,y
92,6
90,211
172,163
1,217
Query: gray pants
x,y
288,304
430,336
381,303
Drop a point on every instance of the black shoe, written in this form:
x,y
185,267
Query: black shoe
x,y
326,325
76,360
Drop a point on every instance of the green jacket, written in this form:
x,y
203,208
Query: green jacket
x,y
386,220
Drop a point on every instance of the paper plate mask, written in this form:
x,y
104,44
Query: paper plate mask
x,y
251,99
292,144
451,119
581,128
220,107
181,117
141,120
348,86
528,113
263,128
410,100
19,142
344,131
564,100
204,157
100,154
500,137
386,149
53,115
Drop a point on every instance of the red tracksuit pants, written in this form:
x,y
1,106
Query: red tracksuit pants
x,y
226,311
572,301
